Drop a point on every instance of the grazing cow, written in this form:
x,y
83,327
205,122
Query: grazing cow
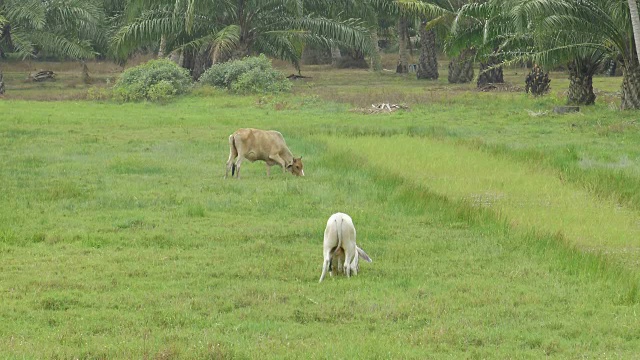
x,y
340,245
266,145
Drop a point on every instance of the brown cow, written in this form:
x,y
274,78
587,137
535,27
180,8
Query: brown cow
x,y
266,145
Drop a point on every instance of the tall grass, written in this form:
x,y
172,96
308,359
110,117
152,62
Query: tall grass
x,y
120,239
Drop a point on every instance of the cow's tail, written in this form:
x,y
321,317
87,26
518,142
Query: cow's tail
x,y
233,152
363,255
339,231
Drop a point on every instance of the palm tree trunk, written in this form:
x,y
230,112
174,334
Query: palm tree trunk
x,y
215,55
631,77
1,83
177,57
241,51
335,55
631,86
403,63
201,63
580,85
635,23
461,67
162,49
490,72
428,63
85,73
376,60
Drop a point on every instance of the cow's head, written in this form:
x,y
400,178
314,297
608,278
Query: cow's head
x,y
296,167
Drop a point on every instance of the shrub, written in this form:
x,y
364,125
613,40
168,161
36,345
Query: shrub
x,y
156,80
261,81
248,75
98,94
162,91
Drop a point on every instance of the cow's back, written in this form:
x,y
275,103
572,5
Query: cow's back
x,y
342,225
258,144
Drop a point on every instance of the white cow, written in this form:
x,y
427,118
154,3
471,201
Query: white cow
x,y
266,145
340,243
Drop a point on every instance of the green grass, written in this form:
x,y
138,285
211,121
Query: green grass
x,y
534,199
119,237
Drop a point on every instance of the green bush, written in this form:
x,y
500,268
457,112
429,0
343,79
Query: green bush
x,y
156,80
248,75
162,91
260,81
98,94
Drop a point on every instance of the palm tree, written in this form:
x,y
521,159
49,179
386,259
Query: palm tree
x,y
204,29
428,62
557,46
342,10
553,45
484,26
461,66
578,33
597,29
64,28
403,43
441,14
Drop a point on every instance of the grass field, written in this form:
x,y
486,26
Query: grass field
x,y
497,228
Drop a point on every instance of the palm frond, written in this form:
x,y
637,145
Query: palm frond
x,y
226,39
62,45
280,47
148,28
21,42
421,9
351,32
29,13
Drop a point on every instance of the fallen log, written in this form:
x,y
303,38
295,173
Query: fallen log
x,y
42,75
295,77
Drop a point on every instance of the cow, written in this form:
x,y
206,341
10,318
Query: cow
x,y
266,145
339,245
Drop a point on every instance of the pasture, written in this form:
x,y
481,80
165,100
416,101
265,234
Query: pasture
x,y
497,228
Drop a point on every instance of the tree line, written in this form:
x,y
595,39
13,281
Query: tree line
x,y
580,35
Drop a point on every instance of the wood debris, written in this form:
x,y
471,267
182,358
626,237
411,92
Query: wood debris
x,y
295,77
382,108
42,75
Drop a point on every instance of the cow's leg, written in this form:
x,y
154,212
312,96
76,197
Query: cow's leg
x,y
238,163
354,264
347,269
349,253
338,259
268,170
340,266
280,161
330,241
233,153
241,156
326,263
